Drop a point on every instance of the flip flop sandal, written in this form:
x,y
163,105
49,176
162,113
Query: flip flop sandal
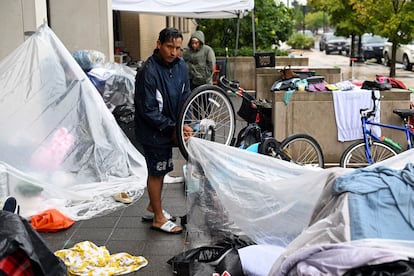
x,y
123,197
167,228
149,218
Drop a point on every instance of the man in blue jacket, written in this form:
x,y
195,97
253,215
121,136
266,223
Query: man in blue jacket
x,y
161,88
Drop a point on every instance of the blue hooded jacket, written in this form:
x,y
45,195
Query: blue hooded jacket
x,y
160,91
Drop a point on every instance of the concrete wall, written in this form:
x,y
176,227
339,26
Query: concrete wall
x,y
139,32
313,114
16,18
261,79
83,24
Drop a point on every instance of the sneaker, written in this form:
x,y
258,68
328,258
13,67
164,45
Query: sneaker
x,y
11,205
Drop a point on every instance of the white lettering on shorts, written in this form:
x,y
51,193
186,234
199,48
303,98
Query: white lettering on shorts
x,y
161,166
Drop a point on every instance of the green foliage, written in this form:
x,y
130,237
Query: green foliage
x,y
392,19
248,51
316,20
273,23
300,41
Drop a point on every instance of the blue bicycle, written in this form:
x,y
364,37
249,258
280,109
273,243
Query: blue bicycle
x,y
372,148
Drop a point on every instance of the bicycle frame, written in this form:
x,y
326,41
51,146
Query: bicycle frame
x,y
369,135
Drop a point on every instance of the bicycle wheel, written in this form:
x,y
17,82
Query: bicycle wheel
x,y
210,113
354,155
303,149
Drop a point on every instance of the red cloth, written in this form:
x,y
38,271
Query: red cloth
x,y
16,264
394,82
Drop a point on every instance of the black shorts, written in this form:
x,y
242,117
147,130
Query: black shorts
x,y
159,160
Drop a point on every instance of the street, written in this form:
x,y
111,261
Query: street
x,y
359,71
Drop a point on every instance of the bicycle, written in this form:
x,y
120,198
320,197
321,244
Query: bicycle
x,y
209,111
372,148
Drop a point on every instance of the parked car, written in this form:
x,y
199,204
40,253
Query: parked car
x,y
372,47
404,55
322,40
329,43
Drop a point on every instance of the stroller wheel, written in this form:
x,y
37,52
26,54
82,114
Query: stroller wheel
x,y
269,146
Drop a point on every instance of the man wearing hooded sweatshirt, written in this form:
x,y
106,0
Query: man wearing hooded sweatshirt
x,y
200,59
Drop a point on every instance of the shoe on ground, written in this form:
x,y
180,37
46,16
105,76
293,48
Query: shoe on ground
x,y
170,180
11,205
168,228
123,197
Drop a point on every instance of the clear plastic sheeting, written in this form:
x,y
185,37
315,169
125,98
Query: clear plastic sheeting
x,y
60,146
87,59
271,201
230,190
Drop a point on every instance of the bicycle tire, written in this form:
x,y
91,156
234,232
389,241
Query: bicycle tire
x,y
354,155
209,112
303,149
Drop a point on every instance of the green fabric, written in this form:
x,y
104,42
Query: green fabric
x,y
288,95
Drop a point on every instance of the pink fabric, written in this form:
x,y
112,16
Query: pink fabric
x,y
51,155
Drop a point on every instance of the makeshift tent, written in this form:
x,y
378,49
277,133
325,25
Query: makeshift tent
x,y
60,146
191,9
308,212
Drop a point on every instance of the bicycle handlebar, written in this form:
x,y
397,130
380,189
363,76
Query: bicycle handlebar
x,y
232,85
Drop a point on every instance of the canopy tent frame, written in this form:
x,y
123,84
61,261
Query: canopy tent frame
x,y
207,9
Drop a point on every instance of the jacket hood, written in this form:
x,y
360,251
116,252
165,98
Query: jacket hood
x,y
199,35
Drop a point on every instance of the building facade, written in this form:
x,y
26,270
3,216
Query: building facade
x,y
86,24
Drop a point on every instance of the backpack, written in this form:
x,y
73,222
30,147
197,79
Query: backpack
x,y
252,134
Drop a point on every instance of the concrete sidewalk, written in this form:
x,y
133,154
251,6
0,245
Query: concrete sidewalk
x,y
123,231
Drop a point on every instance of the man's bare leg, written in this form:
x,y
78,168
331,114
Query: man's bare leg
x,y
154,187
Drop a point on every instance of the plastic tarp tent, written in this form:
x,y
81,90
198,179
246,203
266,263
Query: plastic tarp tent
x,y
60,147
236,192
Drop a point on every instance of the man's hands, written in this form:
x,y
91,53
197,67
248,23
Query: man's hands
x,y
187,132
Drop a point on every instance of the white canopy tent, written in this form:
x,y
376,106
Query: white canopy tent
x,y
187,8
191,9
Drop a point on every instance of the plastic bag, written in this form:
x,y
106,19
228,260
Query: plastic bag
x,y
51,221
206,260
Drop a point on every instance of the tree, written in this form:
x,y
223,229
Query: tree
x,y
393,19
342,16
315,20
273,23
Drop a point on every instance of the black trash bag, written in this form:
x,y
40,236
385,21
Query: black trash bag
x,y
124,114
205,260
183,264
16,234
229,263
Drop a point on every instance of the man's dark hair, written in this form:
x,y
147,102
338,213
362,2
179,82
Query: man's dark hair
x,y
169,33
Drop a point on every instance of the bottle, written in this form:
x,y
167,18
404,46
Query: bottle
x,y
391,143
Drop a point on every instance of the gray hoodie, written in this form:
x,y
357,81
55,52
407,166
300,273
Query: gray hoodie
x,y
200,62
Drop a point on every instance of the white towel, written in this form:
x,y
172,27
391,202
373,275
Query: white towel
x,y
348,120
